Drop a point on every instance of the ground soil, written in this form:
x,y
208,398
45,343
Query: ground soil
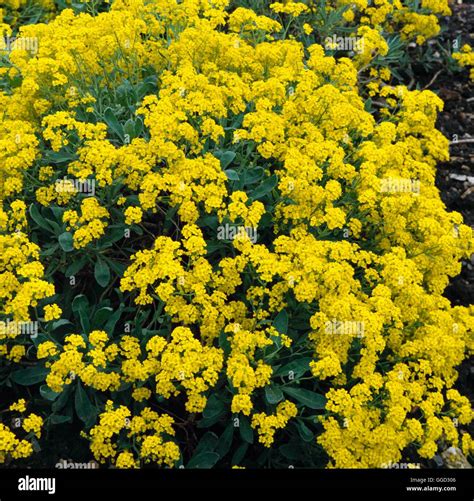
x,y
455,178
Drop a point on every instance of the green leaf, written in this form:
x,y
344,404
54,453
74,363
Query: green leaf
x,y
262,459
102,273
224,343
38,339
207,443
226,158
208,222
117,267
273,394
208,422
214,411
101,316
66,242
295,368
80,306
30,376
60,157
266,187
254,175
129,129
58,419
305,433
47,393
232,175
281,322
246,431
75,267
113,235
292,451
170,217
239,454
84,408
80,302
62,400
49,249
147,86
62,322
39,219
112,322
214,407
203,460
56,213
306,397
36,445
113,123
225,441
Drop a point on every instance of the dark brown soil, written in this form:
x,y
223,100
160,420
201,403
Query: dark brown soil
x,y
455,179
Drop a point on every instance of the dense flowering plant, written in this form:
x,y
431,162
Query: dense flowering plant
x,y
465,59
216,250
414,20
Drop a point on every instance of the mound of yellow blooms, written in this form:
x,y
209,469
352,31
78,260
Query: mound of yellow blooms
x,y
261,260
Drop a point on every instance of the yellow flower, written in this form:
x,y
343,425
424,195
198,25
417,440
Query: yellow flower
x,y
33,423
19,406
242,403
140,394
293,8
125,460
47,349
133,215
52,312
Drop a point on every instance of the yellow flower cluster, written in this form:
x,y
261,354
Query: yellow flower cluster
x,y
292,8
246,20
186,362
236,126
149,432
89,225
33,423
245,371
52,312
364,435
22,286
266,426
465,58
414,22
12,447
74,361
19,406
183,363
18,151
